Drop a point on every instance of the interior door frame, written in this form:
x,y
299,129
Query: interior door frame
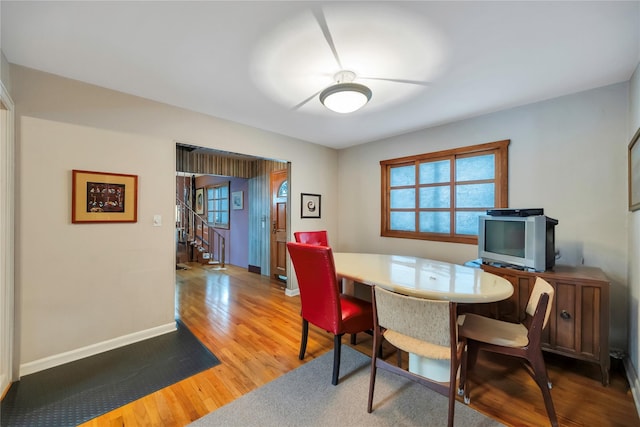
x,y
259,207
8,370
287,214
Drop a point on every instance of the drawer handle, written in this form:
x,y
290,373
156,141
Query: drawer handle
x,y
565,315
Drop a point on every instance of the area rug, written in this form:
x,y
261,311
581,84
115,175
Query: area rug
x,y
305,397
76,392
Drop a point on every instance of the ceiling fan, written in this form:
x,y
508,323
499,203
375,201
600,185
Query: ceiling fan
x,y
345,95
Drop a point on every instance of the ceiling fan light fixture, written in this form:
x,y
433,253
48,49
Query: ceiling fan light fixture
x,y
345,97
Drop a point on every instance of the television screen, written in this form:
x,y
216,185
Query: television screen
x,y
505,237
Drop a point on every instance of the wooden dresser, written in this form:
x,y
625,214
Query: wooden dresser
x,y
579,322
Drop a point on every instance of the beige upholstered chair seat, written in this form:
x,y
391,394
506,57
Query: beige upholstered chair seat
x,y
493,331
419,347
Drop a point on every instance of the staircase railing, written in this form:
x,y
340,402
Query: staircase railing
x,y
194,230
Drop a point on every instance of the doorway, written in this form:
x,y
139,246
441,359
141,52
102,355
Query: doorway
x,y
279,201
194,160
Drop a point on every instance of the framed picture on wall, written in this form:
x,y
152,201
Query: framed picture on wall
x,y
309,205
200,201
237,200
634,172
103,197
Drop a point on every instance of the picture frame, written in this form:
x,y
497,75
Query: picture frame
x,y
200,201
237,200
309,205
634,172
103,197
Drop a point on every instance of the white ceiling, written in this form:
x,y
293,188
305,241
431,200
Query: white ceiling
x,y
254,62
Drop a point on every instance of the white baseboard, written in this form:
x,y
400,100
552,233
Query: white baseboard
x,y
292,292
93,349
634,383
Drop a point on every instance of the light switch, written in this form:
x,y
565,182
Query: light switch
x,y
157,220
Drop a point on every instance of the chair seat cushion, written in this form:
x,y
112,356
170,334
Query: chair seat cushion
x,y
357,314
493,331
419,347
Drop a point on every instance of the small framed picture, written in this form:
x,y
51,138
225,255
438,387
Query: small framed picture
x,y
200,201
237,200
103,197
309,205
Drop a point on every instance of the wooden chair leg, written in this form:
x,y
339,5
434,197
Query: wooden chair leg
x,y
303,339
452,402
469,359
542,379
353,339
463,373
337,341
472,354
375,353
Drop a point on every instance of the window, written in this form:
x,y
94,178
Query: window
x,y
283,191
218,205
439,196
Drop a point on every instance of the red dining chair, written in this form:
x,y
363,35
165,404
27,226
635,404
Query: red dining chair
x,y
312,237
322,303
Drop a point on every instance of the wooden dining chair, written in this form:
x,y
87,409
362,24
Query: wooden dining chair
x,y
521,340
312,237
322,303
420,326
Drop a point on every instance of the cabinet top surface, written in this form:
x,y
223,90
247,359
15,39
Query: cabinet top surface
x,y
580,272
559,272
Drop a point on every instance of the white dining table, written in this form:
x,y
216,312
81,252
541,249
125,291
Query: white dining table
x,y
423,278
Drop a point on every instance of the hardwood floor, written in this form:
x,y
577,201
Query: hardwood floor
x,y
254,329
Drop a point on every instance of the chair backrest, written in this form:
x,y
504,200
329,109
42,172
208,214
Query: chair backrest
x,y
419,318
318,284
538,310
540,287
312,237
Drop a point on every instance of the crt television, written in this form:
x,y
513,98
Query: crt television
x,y
526,242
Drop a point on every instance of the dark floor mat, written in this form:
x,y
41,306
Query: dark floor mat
x,y
76,392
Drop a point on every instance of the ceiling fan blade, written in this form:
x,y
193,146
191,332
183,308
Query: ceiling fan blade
x,y
322,22
411,82
295,107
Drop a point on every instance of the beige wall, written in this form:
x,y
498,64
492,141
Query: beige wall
x,y
83,287
567,155
80,284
